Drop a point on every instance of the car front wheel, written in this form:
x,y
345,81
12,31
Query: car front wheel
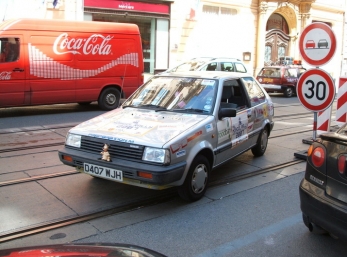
x,y
289,92
260,148
195,184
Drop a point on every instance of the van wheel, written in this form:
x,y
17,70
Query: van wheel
x,y
288,92
109,99
260,148
195,184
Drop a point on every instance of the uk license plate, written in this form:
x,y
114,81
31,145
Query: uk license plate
x,y
268,80
103,172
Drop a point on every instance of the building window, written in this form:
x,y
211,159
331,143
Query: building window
x,y
216,10
281,52
277,21
268,51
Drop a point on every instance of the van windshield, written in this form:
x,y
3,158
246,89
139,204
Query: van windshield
x,y
176,93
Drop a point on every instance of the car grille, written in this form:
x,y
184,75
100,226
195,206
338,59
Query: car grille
x,y
116,149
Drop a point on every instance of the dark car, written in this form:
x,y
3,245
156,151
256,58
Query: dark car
x,y
323,191
210,64
280,79
75,250
322,43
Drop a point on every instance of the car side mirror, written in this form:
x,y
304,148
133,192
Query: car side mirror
x,y
226,112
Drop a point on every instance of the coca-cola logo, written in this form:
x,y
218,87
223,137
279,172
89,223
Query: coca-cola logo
x,y
95,44
5,75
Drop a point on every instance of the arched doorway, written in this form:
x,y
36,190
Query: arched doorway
x,y
277,40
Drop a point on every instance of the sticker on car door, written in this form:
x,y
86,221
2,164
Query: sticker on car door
x,y
239,127
234,129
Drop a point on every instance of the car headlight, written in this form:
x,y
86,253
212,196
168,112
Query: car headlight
x,y
73,140
156,155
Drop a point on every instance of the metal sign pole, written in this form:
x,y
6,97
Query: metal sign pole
x,y
315,118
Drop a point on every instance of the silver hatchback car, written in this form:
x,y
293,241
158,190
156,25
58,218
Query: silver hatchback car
x,y
173,131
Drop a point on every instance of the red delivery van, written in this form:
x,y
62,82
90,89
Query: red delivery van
x,y
58,61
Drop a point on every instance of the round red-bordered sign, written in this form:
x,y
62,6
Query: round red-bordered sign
x,y
315,90
317,44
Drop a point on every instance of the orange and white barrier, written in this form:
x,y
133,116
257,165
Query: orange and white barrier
x,y
341,106
324,117
323,121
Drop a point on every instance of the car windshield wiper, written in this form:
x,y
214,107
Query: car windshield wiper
x,y
129,105
190,110
153,106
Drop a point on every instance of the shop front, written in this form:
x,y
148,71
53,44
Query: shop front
x,y
151,18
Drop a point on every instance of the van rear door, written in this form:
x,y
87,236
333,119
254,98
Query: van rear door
x,y
12,71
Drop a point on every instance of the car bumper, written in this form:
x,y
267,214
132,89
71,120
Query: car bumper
x,y
272,87
327,213
162,176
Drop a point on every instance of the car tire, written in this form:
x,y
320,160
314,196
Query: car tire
x,y
260,148
288,91
195,184
109,99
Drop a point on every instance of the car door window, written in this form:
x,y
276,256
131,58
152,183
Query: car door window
x,y
256,95
227,66
292,73
233,95
209,67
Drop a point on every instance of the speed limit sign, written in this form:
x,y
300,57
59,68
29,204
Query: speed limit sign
x,y
315,90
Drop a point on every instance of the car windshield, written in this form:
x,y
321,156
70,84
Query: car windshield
x,y
175,94
270,72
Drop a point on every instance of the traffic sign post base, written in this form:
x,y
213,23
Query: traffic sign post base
x,y
301,155
308,141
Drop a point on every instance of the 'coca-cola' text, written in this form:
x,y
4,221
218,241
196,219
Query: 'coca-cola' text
x,y
5,75
95,44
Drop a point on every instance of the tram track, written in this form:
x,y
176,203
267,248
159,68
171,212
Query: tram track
x,y
167,196
23,148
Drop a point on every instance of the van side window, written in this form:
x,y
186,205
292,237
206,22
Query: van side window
x,y
9,49
256,95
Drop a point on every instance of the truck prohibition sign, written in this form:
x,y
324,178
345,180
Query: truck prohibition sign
x,y
316,90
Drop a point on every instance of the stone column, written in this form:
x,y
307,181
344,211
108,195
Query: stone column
x,y
262,18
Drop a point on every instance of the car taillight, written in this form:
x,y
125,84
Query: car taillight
x,y
318,156
341,164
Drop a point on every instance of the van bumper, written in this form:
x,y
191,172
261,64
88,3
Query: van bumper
x,y
162,175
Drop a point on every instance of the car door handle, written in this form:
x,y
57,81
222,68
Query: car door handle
x,y
18,70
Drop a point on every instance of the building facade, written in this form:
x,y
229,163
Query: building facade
x,y
257,32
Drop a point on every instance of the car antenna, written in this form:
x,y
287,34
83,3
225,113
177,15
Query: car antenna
x,y
123,78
